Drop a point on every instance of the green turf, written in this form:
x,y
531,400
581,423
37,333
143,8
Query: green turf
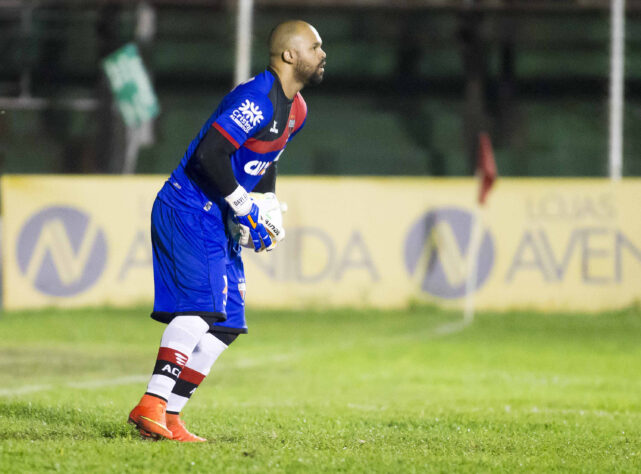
x,y
336,391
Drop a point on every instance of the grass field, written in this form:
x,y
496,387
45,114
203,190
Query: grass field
x,y
336,391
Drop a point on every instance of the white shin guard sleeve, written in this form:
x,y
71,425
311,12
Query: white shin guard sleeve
x,y
202,359
205,354
182,335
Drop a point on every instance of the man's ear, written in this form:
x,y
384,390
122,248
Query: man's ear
x,y
288,56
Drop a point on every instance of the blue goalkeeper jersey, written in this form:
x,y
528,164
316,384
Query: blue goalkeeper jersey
x,y
259,120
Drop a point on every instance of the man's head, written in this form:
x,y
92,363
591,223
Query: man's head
x,y
297,45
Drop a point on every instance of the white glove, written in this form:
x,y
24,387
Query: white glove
x,y
270,216
247,215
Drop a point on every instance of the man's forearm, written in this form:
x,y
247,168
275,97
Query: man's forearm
x,y
210,167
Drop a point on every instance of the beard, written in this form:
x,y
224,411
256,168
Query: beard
x,y
315,78
309,75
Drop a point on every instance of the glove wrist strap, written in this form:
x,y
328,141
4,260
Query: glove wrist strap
x,y
239,201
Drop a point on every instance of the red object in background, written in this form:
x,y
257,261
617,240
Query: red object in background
x,y
485,166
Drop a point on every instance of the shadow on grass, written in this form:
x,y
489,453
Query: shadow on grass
x,y
27,363
25,420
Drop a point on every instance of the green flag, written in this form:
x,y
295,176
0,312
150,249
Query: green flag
x,y
131,86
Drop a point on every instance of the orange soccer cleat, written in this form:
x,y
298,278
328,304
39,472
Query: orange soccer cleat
x,y
149,417
180,433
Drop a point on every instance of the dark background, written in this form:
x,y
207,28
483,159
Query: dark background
x,y
409,84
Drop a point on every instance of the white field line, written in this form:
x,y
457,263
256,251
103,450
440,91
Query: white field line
x,y
451,328
89,384
7,392
243,363
572,411
522,410
246,362
240,363
108,382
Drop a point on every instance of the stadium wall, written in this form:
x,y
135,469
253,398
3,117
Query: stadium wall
x,y
572,244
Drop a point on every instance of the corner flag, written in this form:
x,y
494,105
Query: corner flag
x,y
485,166
486,173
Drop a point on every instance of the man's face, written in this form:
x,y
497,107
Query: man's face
x,y
310,63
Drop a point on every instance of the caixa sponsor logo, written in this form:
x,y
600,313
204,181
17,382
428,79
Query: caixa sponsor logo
x,y
256,168
61,251
437,252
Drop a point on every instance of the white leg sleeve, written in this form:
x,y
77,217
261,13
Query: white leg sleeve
x,y
198,367
176,346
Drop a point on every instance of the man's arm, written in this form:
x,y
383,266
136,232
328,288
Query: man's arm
x,y
210,167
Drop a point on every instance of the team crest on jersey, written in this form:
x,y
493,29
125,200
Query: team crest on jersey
x,y
292,122
247,116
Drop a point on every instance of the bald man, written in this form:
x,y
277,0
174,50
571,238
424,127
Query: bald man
x,y
204,214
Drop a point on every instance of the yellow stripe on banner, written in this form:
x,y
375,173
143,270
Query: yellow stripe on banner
x,y
562,244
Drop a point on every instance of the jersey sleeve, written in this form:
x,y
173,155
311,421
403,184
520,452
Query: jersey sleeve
x,y
300,111
242,116
298,129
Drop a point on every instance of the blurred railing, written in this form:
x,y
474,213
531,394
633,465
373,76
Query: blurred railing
x,y
516,5
424,74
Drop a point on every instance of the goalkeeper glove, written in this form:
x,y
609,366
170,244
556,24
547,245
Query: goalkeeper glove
x,y
271,216
248,215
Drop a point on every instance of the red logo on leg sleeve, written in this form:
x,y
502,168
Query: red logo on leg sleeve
x,y
172,355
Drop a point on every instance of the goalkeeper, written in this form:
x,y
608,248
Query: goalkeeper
x,y
198,271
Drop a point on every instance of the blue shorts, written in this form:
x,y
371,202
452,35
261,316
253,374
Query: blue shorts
x,y
197,270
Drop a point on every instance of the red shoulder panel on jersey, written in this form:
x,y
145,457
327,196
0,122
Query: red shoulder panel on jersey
x,y
301,110
224,133
260,146
297,113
